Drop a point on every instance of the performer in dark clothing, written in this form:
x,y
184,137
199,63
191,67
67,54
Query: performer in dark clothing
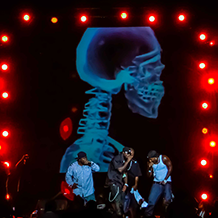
x,y
115,179
133,174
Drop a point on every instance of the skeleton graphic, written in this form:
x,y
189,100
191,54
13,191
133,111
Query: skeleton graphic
x,y
108,58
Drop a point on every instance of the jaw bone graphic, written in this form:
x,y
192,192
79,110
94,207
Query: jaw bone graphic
x,y
107,58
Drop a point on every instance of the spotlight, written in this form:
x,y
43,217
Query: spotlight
x,y
204,105
203,162
26,17
0,147
6,164
181,17
5,133
205,130
204,196
211,43
65,128
4,95
211,81
123,15
4,66
202,65
4,38
202,36
212,144
83,18
152,18
7,197
211,176
54,20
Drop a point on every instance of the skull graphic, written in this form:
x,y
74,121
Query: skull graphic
x,y
107,58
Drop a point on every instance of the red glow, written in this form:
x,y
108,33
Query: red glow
x,y
212,144
66,128
4,66
211,81
211,43
123,15
54,20
204,196
4,38
7,164
205,130
5,133
202,65
181,17
66,191
7,197
203,162
74,109
26,17
152,18
2,84
211,176
4,95
83,18
204,105
0,147
202,36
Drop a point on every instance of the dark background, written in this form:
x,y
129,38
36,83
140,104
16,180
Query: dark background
x,y
44,87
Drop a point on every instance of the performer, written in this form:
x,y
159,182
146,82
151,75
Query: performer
x,y
160,167
116,179
79,177
132,194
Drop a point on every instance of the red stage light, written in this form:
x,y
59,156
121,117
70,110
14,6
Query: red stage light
x,y
4,38
0,147
6,164
83,18
204,105
211,43
4,95
204,196
123,15
211,176
5,133
26,17
203,162
54,20
7,197
211,81
66,128
205,130
4,67
202,36
151,18
202,65
212,144
181,17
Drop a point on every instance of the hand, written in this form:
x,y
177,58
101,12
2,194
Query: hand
x,y
135,187
150,164
124,188
74,186
129,158
163,182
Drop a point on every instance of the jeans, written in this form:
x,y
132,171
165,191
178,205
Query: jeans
x,y
89,198
158,190
117,195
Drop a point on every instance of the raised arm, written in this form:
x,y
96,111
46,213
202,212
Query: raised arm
x,y
95,167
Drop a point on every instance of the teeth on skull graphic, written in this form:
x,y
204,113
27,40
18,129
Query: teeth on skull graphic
x,y
107,59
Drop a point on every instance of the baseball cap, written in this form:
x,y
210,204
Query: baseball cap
x,y
152,153
80,155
